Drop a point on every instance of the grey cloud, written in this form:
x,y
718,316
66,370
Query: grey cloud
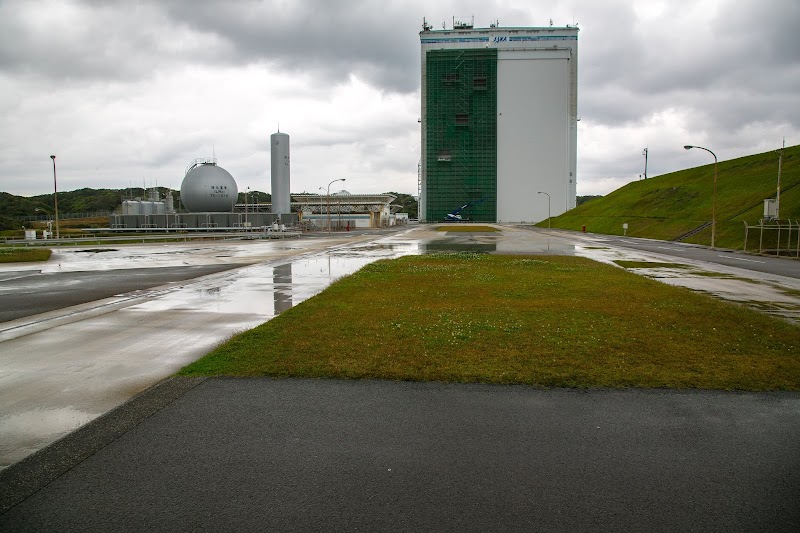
x,y
108,41
334,39
738,73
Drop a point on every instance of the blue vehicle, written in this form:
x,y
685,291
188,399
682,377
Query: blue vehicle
x,y
455,216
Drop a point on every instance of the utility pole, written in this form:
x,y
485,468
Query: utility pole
x,y
644,153
778,195
55,194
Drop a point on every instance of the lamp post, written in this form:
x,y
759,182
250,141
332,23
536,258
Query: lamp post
x,y
328,200
714,197
55,193
548,208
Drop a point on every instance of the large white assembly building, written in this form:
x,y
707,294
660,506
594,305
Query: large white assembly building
x,y
499,122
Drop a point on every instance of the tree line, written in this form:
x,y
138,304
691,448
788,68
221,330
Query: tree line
x,y
12,207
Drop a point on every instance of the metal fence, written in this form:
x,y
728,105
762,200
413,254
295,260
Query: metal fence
x,y
64,216
779,237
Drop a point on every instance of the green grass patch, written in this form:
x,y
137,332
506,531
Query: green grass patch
x,y
549,321
23,255
648,264
462,228
668,206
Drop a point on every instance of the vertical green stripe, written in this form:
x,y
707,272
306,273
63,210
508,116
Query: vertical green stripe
x,y
461,121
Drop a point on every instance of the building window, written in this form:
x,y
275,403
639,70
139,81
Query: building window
x,y
479,83
445,155
450,78
462,119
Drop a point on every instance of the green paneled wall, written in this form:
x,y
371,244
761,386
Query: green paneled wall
x,y
461,143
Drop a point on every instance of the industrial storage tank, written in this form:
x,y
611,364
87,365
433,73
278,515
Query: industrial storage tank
x,y
208,188
131,207
279,152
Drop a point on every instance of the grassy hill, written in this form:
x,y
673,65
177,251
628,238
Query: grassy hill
x,y
668,206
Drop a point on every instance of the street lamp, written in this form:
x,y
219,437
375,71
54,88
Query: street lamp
x,y
328,200
55,195
548,208
714,197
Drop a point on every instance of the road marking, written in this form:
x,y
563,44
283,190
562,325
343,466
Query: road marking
x,y
740,259
671,249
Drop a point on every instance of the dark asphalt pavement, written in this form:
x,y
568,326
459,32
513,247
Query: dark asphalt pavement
x,y
305,455
28,293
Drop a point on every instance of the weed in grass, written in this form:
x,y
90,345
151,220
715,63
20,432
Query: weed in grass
x,y
560,321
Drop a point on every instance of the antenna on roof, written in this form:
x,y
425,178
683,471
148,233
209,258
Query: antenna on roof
x,y
279,126
213,152
551,23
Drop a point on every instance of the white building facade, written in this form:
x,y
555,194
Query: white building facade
x,y
499,123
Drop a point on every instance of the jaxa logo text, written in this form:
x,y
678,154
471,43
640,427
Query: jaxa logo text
x,y
500,39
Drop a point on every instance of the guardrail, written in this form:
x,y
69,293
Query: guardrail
x,y
164,237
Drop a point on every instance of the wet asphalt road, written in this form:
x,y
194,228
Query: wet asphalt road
x,y
27,293
312,455
781,266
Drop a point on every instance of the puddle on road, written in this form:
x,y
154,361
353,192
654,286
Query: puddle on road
x,y
167,329
28,431
168,254
454,247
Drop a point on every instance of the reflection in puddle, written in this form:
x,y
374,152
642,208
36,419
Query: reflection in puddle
x,y
26,432
452,247
282,299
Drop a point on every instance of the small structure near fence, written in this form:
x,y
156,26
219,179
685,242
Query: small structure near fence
x,y
779,237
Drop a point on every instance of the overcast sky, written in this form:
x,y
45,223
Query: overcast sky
x,y
131,92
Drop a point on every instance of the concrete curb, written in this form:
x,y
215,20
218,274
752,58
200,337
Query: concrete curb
x,y
23,479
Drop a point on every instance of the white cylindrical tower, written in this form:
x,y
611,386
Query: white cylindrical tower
x,y
279,152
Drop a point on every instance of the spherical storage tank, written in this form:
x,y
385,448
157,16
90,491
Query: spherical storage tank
x,y
208,187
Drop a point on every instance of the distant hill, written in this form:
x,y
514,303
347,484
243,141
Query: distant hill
x,y
78,201
668,206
